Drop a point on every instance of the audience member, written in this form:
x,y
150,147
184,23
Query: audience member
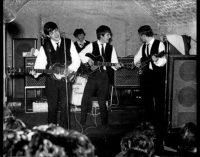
x,y
188,139
141,139
10,122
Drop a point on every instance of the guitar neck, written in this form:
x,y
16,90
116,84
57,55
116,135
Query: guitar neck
x,y
104,63
27,70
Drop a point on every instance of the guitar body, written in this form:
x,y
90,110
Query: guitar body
x,y
145,63
58,71
96,65
98,62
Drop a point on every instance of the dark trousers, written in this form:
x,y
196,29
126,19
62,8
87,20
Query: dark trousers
x,y
153,89
97,83
55,93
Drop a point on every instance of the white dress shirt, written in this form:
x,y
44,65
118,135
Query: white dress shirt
x,y
41,60
89,49
161,60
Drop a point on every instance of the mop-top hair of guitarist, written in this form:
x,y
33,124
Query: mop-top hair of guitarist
x,y
101,30
145,30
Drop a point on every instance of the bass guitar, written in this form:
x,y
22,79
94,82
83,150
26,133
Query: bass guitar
x,y
147,61
98,62
56,71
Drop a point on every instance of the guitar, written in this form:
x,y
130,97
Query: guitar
x,y
56,71
146,62
99,62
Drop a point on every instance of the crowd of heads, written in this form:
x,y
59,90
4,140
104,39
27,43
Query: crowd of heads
x,y
141,141
44,141
54,141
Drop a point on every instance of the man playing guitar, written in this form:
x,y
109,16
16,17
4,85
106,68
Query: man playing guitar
x,y
151,60
98,81
51,56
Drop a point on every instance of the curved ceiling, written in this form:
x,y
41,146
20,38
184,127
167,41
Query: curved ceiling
x,y
164,12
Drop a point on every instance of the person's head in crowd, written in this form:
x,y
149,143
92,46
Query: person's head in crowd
x,y
147,129
79,34
140,139
6,112
10,122
188,138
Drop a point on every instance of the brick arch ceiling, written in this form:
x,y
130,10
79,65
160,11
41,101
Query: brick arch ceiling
x,y
170,12
164,12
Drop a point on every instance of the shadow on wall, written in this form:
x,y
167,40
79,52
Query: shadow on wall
x,y
14,29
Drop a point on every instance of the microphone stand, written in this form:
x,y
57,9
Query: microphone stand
x,y
167,120
67,99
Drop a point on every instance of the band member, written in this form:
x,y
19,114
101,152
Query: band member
x,y
151,61
52,56
98,81
80,44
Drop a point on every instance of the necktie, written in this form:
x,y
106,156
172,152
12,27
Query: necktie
x,y
58,46
102,50
147,50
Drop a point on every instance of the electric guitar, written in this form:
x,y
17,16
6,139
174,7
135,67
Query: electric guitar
x,y
56,71
99,62
146,62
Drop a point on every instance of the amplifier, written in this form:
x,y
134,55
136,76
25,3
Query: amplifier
x,y
30,80
125,77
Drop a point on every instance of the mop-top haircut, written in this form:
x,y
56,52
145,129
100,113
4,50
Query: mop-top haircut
x,y
49,27
101,30
145,30
78,31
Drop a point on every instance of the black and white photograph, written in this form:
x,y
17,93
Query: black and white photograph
x,y
99,78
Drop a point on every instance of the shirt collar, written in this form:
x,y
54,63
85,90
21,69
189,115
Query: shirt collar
x,y
151,41
81,42
55,42
99,43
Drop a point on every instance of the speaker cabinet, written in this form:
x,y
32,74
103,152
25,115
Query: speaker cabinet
x,y
30,80
182,93
125,77
20,45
